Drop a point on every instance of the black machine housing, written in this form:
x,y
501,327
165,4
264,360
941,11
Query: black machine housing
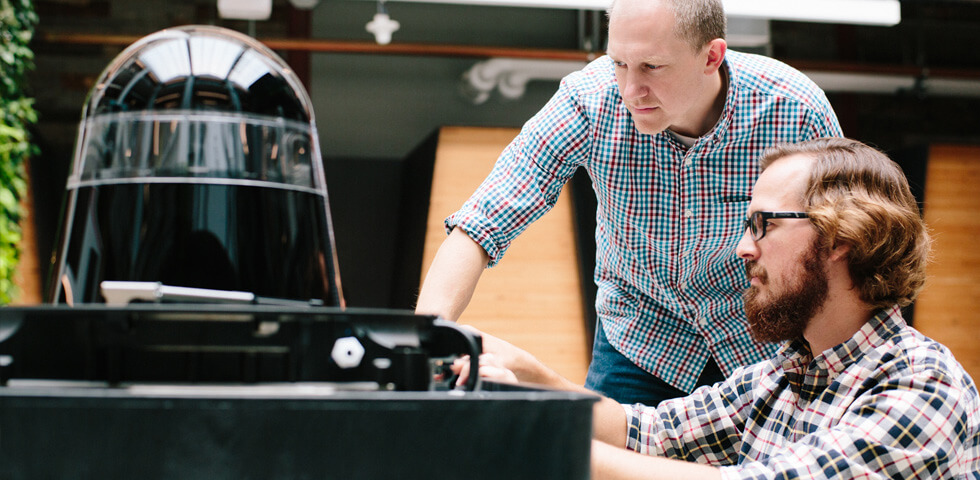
x,y
232,344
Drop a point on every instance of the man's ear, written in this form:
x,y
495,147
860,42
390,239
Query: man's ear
x,y
839,252
716,55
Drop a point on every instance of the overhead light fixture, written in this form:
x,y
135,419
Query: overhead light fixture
x,y
382,26
245,9
864,12
304,4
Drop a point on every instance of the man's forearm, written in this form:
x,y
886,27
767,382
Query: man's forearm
x,y
609,422
451,280
616,463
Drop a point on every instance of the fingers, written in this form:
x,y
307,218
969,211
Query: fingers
x,y
471,328
490,369
497,374
461,367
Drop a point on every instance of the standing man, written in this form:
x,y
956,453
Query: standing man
x,y
669,126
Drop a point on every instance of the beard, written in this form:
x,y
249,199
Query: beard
x,y
786,314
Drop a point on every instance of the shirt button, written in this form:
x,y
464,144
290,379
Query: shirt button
x,y
688,213
688,162
682,286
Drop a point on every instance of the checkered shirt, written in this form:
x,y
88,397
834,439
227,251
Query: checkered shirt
x,y
668,217
887,403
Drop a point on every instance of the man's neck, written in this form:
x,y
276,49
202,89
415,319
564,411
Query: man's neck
x,y
837,321
709,112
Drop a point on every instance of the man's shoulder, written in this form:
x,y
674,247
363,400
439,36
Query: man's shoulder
x,y
767,76
909,352
598,77
751,65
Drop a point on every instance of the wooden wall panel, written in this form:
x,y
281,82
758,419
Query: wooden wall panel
x,y
532,298
948,309
28,275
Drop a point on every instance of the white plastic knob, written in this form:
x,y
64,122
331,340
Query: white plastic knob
x,y
347,352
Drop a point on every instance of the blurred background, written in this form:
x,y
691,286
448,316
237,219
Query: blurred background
x,y
912,89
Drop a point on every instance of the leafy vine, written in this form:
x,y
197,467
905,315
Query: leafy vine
x,y
17,114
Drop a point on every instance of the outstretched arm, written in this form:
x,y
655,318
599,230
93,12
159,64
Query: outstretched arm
x,y
611,463
503,361
451,280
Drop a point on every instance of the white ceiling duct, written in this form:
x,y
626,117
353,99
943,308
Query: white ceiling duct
x,y
510,76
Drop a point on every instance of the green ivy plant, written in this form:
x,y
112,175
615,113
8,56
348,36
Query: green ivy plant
x,y
17,21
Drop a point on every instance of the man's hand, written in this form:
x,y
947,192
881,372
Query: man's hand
x,y
490,369
502,361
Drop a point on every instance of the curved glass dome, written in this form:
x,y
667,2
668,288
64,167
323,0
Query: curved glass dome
x,y
197,165
198,101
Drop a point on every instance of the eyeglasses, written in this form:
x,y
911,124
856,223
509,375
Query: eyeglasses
x,y
756,222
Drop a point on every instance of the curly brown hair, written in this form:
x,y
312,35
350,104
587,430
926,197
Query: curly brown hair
x,y
857,196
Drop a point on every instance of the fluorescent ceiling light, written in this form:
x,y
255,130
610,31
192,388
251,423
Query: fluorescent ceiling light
x,y
567,4
866,12
245,9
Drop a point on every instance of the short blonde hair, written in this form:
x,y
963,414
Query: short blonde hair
x,y
858,197
696,21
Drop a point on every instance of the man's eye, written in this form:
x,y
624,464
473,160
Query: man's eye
x,y
653,67
619,64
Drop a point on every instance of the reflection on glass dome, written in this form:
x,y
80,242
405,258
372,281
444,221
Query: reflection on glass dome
x,y
200,68
198,102
197,164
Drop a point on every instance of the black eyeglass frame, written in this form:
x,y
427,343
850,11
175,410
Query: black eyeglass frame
x,y
756,221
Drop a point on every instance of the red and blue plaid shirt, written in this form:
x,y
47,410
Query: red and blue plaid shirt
x,y
887,403
668,217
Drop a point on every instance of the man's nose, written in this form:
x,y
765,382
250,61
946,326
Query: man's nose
x,y
631,86
747,249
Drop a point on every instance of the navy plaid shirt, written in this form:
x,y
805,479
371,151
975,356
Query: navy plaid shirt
x,y
887,403
669,217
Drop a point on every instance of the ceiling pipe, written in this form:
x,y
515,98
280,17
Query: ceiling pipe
x,y
511,76
835,76
342,46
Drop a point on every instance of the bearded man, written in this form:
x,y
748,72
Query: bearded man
x,y
833,246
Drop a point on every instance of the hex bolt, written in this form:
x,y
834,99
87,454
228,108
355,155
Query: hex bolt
x,y
347,352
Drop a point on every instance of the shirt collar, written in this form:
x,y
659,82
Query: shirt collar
x,y
809,375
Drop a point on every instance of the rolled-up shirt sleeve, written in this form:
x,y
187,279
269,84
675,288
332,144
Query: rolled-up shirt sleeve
x,y
529,175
